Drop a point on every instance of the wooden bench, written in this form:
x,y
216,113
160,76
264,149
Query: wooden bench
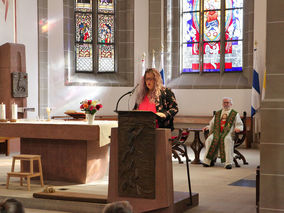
x,y
28,174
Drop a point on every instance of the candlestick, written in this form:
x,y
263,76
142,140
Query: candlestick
x,y
2,111
14,112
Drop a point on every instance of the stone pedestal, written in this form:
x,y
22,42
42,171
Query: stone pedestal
x,y
12,60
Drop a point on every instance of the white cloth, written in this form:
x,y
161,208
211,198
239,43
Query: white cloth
x,y
228,140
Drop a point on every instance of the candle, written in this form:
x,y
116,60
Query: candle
x,y
48,109
14,111
2,112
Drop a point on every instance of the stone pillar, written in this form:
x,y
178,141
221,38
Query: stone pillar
x,y
155,31
13,60
272,114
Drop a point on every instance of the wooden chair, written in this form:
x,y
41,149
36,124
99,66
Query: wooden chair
x,y
179,149
178,145
28,174
4,146
238,140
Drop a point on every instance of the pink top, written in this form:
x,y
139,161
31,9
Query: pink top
x,y
146,105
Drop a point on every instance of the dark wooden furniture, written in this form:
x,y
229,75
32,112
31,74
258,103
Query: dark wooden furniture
x,y
200,121
4,146
257,188
238,140
196,145
178,145
179,148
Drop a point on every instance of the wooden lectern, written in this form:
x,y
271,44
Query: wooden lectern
x,y
140,168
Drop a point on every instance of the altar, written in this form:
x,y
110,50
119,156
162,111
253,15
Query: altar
x,y
71,151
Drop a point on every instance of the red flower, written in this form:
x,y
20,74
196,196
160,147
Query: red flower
x,y
89,102
98,106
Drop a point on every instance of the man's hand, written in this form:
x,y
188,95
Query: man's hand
x,y
205,128
237,130
161,115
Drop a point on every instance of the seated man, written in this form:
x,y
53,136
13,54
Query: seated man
x,y
222,128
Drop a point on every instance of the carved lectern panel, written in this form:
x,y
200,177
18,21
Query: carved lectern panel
x,y
19,84
136,155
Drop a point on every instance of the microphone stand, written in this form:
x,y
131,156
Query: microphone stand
x,y
120,99
130,92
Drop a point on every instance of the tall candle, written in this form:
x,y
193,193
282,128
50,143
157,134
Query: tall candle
x,y
2,112
48,109
14,111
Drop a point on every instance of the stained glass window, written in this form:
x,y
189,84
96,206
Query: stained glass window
x,y
83,27
212,35
84,57
106,57
106,29
106,6
94,35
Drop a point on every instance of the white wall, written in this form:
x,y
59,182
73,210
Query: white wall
x,y
27,35
204,101
27,29
7,26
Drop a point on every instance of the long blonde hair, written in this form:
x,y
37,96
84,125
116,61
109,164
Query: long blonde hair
x,y
143,89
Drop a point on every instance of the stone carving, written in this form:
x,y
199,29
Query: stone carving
x,y
136,155
19,84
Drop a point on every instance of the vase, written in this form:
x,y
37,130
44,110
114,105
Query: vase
x,y
90,118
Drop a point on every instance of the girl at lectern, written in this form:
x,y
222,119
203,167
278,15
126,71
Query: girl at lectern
x,y
153,96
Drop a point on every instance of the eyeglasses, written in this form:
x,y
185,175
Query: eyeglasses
x,y
149,79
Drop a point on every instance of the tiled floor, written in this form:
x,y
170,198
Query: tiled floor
x,y
216,194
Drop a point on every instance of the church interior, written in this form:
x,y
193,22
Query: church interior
x,y
56,55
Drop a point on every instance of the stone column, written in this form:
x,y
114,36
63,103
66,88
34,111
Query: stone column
x,y
155,31
272,114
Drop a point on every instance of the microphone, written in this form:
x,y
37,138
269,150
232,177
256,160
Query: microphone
x,y
133,90
130,92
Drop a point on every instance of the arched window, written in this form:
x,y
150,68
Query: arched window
x,y
94,36
211,36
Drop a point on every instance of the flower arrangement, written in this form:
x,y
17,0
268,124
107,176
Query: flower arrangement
x,y
90,106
